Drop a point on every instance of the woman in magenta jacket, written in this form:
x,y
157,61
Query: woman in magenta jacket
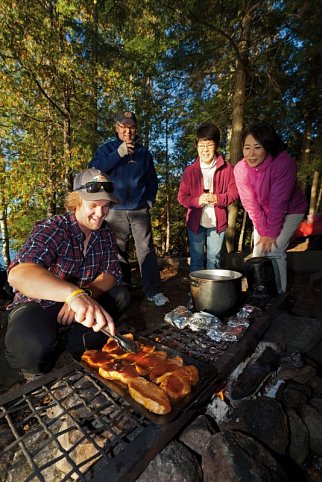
x,y
206,189
268,190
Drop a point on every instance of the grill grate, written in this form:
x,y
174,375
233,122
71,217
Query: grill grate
x,y
195,345
58,430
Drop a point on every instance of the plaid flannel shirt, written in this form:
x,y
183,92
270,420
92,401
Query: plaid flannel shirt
x,y
57,244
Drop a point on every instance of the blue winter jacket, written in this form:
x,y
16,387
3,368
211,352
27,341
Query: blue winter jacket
x,y
134,183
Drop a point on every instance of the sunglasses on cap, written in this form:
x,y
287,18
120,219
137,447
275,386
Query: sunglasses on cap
x,y
93,187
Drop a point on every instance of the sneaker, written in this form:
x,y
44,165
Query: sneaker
x,y
158,299
30,377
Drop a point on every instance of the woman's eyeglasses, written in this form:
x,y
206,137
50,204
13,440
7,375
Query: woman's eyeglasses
x,y
205,146
93,187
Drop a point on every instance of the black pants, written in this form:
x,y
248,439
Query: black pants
x,y
34,339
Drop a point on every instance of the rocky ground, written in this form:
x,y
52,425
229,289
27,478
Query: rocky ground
x,y
276,438
193,453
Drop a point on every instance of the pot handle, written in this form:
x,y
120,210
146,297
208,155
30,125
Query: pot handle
x,y
194,283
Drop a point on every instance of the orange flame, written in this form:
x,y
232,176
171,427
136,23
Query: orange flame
x,y
220,394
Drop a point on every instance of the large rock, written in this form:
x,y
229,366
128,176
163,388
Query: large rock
x,y
300,375
316,403
232,456
308,261
312,469
292,398
299,447
198,434
313,421
316,384
297,333
176,463
263,419
316,353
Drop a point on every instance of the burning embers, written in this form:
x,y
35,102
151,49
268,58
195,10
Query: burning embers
x,y
253,377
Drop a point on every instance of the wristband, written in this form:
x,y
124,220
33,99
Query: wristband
x,y
74,294
88,292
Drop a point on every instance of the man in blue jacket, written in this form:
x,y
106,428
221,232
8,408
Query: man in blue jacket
x,y
130,166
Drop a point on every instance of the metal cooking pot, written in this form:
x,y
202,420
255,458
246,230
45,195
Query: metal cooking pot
x,y
216,291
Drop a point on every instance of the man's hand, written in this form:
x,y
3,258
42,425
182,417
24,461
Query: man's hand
x,y
126,148
130,147
267,243
122,149
89,313
66,315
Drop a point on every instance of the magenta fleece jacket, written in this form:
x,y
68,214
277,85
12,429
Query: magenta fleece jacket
x,y
269,192
191,188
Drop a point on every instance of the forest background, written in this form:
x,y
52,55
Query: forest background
x,y
67,66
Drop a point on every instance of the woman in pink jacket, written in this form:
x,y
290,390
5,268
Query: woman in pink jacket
x,y
207,187
267,186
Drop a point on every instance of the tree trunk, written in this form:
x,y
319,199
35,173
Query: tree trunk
x,y
237,119
167,188
67,146
318,202
51,160
314,193
242,232
4,236
306,149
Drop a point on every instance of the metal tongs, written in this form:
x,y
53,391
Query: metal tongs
x,y
127,345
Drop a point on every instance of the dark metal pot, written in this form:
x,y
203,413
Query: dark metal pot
x,y
216,291
260,276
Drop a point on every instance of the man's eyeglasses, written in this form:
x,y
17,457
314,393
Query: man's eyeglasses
x,y
93,187
205,146
124,128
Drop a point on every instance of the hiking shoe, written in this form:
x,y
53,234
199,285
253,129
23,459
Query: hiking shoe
x,y
158,299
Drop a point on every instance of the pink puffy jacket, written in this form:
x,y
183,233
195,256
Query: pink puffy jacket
x,y
269,192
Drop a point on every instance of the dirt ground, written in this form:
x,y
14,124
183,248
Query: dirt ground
x,y
304,286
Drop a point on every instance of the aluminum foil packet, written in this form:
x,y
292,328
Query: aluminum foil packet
x,y
226,333
235,321
203,321
178,317
249,312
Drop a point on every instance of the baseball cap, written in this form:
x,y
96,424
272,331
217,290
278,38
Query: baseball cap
x,y
94,185
126,117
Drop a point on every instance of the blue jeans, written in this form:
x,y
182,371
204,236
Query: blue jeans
x,y
212,240
136,222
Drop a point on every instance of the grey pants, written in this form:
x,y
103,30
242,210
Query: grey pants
x,y
138,223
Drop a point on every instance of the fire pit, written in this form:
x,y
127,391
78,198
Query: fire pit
x,y
70,425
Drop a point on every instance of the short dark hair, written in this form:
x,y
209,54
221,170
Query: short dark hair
x,y
207,131
266,135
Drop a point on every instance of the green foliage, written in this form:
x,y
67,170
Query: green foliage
x,y
66,67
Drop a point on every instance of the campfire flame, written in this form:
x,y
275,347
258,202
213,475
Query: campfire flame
x,y
220,394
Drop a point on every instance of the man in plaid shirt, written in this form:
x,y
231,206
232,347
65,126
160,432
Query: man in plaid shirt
x,y
66,275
